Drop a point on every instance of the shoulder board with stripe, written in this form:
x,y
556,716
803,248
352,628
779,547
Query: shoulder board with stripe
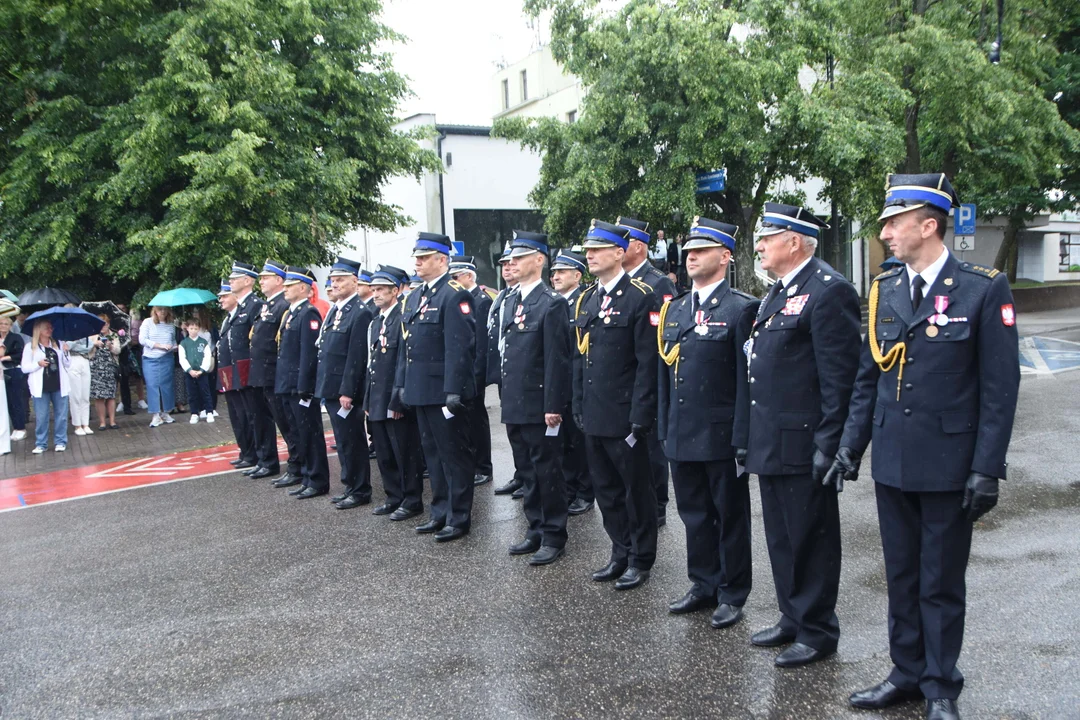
x,y
980,270
489,292
455,284
643,287
889,273
746,295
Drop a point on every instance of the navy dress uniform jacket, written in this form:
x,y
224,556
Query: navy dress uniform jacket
x,y
658,281
615,380
385,342
494,359
298,357
482,309
264,341
958,396
537,355
703,397
343,352
803,360
440,344
239,337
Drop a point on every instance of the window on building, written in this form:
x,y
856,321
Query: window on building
x,y
524,86
506,94
571,116
1069,260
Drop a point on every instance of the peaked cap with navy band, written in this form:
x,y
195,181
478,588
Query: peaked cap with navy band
x,y
528,243
364,276
462,263
225,288
604,235
431,243
505,254
273,267
706,233
569,261
343,267
388,275
909,192
243,269
638,230
780,218
295,274
328,281
416,281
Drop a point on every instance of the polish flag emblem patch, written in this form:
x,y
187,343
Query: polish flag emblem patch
x,y
1008,315
654,319
314,325
667,298
465,308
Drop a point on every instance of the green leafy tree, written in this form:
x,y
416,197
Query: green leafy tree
x,y
145,144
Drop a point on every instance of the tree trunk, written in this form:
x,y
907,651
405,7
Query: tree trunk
x,y
913,160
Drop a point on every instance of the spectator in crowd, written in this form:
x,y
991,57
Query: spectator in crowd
x,y
45,363
11,350
5,422
79,392
197,361
180,396
658,253
157,336
104,371
674,255
129,370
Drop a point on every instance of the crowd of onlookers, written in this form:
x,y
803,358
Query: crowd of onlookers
x,y
168,363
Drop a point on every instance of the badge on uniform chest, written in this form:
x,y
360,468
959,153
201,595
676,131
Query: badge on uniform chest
x,y
795,305
606,311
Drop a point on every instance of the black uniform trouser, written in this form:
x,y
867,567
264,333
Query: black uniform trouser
x,y
627,500
352,449
714,504
545,491
241,427
397,450
448,449
658,469
480,427
283,418
926,539
574,465
310,456
802,530
262,427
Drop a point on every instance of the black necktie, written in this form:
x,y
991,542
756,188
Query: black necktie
x,y
917,292
777,288
697,302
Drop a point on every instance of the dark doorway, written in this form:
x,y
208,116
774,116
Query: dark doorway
x,y
485,234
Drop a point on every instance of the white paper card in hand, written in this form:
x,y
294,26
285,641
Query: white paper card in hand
x,y
390,415
631,440
553,431
446,412
305,403
342,412
739,469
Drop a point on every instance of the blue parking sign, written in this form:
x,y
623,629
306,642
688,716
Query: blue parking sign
x,y
964,219
458,246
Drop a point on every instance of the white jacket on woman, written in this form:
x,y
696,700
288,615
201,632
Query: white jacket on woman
x,y
33,371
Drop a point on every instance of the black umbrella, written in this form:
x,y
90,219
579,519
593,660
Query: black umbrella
x,y
118,319
45,297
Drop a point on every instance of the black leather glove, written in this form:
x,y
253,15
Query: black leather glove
x,y
845,468
740,456
306,396
454,404
579,420
822,463
639,431
980,495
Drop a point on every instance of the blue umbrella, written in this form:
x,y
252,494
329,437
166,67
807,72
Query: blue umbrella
x,y
68,323
182,296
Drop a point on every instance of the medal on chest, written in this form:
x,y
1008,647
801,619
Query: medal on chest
x,y
519,316
423,305
700,323
606,311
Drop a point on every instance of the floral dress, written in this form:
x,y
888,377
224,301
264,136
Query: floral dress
x,y
103,370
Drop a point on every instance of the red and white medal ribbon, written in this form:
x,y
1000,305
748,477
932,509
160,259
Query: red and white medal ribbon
x,y
941,304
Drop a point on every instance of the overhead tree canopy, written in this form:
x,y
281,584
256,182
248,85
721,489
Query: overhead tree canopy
x,y
149,143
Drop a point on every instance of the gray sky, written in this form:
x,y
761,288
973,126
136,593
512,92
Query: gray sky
x,y
452,51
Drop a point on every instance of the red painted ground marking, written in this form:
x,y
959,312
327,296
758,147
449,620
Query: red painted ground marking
x,y
74,483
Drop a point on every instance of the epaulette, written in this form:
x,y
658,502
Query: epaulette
x,y
676,296
888,273
745,295
489,292
643,287
979,270
655,271
455,284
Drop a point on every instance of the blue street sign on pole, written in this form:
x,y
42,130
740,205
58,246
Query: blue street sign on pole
x,y
458,246
712,181
964,219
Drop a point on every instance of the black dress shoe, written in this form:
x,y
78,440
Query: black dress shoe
x,y
611,571
287,481
509,487
798,655
310,492
632,578
526,547
251,471
449,533
942,709
690,602
384,509
334,446
546,555
404,513
298,490
518,494
371,454
774,636
431,526
339,498
262,472
243,464
479,479
579,507
881,696
352,501
235,462
725,616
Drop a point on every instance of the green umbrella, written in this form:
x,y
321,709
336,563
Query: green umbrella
x,y
182,296
9,295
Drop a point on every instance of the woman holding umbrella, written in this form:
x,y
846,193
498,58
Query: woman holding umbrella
x,y
45,363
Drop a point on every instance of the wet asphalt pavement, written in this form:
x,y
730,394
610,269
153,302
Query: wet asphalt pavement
x,y
221,597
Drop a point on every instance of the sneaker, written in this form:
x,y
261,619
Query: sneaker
x,y
87,431
60,448
18,435
79,431
194,420
142,405
38,450
202,414
210,418
119,407
156,421
167,418
216,414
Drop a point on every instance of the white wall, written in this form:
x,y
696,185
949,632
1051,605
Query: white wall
x,y
552,92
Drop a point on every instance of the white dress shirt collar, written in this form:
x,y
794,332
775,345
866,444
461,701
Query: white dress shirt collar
x,y
790,277
634,272
609,287
704,293
930,274
341,303
431,285
526,289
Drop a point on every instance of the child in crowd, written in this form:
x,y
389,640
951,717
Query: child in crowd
x,y
197,360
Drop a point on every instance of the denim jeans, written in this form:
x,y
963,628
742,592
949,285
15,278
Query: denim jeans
x,y
60,418
160,390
